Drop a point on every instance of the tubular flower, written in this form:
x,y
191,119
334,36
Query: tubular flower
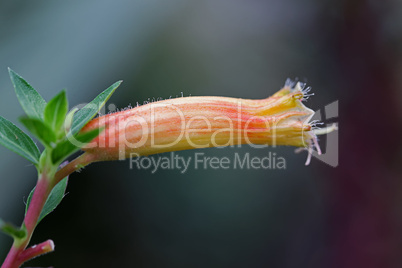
x,y
200,122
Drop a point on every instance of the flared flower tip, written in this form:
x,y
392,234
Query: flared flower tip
x,y
312,128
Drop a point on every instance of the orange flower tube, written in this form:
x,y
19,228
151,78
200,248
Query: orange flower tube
x,y
200,122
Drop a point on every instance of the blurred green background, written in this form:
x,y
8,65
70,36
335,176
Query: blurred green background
x,y
314,216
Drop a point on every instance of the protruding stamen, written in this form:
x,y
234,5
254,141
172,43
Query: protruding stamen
x,y
310,153
316,145
326,130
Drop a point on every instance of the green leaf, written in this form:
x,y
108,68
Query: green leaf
x,y
82,117
17,141
72,144
11,230
55,111
39,129
30,100
54,199
69,120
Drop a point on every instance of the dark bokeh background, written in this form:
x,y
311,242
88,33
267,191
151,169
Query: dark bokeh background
x,y
314,216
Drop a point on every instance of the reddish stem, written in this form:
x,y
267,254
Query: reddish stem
x,y
10,261
18,254
35,251
78,163
39,198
